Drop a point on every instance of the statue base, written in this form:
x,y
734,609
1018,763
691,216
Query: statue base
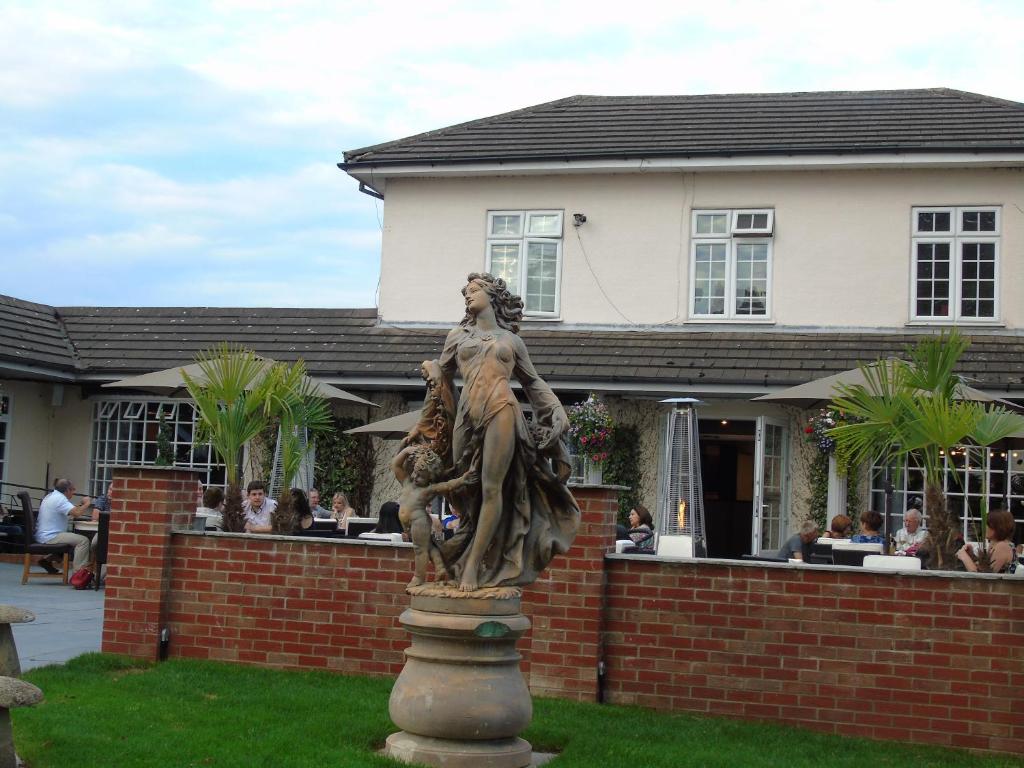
x,y
461,700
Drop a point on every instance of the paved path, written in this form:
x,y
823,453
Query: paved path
x,y
68,621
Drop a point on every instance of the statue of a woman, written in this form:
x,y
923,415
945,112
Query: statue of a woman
x,y
520,513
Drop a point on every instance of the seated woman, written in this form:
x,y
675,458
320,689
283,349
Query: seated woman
x,y
388,521
840,528
1000,546
213,507
341,511
911,536
641,531
302,511
870,528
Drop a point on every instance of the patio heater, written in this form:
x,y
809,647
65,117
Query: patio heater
x,y
303,477
682,512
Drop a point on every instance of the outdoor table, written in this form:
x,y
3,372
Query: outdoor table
x,y
86,526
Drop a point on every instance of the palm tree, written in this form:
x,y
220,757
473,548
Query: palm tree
x,y
234,402
301,412
910,412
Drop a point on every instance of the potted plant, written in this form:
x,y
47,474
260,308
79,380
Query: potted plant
x,y
233,402
590,433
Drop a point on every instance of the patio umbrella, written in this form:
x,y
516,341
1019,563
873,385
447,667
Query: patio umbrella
x,y
394,428
170,382
823,390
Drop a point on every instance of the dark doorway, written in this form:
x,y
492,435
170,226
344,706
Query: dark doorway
x,y
727,474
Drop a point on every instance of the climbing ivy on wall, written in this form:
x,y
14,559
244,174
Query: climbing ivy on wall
x,y
622,467
345,463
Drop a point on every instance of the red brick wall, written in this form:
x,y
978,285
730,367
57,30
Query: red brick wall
x,y
317,602
918,657
564,605
148,502
926,657
289,602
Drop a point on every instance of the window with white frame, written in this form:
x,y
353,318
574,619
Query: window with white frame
x,y
955,263
974,476
524,248
124,432
731,264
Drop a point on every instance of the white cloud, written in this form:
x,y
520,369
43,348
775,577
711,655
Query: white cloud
x,y
125,125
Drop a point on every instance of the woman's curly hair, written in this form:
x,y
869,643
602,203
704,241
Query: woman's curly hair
x,y
508,308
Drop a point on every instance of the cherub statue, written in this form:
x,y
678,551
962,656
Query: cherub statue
x,y
417,468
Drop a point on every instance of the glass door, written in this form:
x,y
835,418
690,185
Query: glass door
x,y
771,461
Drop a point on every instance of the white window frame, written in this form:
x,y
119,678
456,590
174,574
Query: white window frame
x,y
732,242
765,231
523,240
956,238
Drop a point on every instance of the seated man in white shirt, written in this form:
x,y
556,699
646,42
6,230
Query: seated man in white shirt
x,y
52,524
314,505
911,536
258,508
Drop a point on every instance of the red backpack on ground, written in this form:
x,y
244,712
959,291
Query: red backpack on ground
x,y
81,579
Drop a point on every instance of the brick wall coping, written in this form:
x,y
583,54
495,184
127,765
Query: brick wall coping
x,y
599,485
293,539
809,567
150,468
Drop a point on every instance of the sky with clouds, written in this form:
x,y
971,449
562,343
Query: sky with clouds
x,y
156,153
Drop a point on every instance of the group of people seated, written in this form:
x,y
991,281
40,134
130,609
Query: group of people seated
x,y
910,540
259,508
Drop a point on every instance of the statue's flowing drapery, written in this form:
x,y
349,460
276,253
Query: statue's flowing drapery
x,y
539,516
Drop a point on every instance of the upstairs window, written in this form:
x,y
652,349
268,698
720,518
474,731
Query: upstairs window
x,y
524,248
955,263
730,267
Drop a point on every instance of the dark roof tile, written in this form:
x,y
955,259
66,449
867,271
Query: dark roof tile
x,y
31,334
580,127
338,343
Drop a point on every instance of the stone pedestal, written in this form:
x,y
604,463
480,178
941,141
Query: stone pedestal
x,y
461,700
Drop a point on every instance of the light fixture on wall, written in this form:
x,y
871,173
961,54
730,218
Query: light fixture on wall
x,y
578,219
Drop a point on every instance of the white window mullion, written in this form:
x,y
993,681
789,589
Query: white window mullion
x,y
730,281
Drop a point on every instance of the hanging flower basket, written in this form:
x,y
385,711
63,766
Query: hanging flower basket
x,y
590,433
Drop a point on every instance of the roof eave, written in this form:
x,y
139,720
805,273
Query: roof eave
x,y
838,151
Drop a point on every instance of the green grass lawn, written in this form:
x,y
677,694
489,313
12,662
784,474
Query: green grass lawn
x,y
111,712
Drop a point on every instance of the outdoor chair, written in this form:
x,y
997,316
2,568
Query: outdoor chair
x,y
324,524
32,549
846,553
358,526
99,548
892,563
821,553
